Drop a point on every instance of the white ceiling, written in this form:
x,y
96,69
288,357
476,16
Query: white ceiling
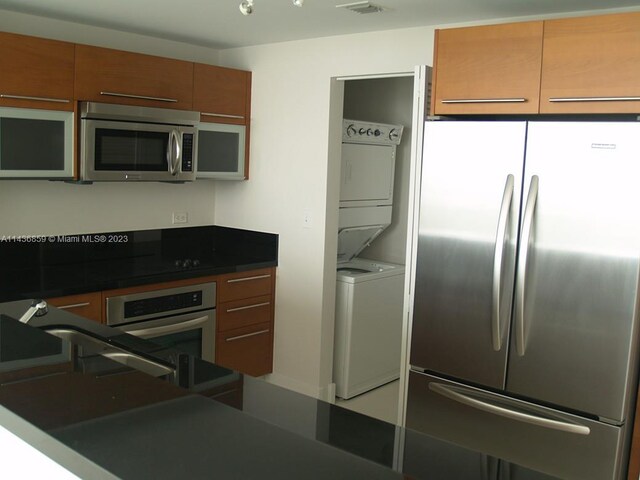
x,y
219,23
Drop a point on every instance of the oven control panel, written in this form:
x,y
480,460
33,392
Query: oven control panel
x,y
134,307
164,304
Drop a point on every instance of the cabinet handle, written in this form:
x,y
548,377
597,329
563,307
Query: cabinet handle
x,y
207,114
39,99
247,307
246,279
74,305
484,100
246,335
593,99
139,97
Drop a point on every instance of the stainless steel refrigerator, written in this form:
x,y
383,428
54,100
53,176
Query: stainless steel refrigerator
x,y
524,337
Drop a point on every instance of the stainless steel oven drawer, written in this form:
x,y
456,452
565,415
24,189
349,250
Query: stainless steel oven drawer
x,y
540,438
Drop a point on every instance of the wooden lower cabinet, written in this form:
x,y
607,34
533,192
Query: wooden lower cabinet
x,y
248,350
87,305
244,326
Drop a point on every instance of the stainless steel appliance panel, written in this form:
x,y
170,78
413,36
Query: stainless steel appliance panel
x,y
203,321
539,438
573,340
469,211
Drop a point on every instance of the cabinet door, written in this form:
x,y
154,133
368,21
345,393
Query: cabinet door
x,y
491,69
115,76
87,305
221,151
591,65
221,94
36,143
36,73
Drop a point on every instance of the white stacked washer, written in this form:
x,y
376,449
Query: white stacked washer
x,y
369,293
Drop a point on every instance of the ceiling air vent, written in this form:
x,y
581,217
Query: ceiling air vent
x,y
361,7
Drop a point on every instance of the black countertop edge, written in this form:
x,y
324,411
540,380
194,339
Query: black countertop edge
x,y
133,281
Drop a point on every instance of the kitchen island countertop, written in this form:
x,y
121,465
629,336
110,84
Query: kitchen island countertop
x,y
133,425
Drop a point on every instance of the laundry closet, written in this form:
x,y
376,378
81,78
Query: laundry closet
x,y
372,218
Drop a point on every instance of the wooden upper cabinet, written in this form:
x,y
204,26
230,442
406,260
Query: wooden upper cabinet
x,y
222,95
115,76
492,69
36,68
591,64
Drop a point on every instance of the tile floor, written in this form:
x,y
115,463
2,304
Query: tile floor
x,y
381,402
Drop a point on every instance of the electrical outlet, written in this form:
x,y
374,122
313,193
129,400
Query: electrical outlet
x,y
180,217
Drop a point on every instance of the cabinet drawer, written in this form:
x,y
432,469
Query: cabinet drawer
x,y
241,313
115,76
87,305
247,350
245,285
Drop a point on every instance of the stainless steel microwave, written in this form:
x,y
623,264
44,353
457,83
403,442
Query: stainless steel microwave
x,y
121,143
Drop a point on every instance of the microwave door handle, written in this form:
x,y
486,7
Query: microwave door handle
x,y
175,152
169,153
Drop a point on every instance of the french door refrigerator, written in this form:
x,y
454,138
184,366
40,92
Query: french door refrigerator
x,y
526,293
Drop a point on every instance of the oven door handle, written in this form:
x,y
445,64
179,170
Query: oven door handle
x,y
166,329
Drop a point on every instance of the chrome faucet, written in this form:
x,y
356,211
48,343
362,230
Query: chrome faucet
x,y
37,309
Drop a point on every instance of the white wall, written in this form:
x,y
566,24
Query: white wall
x,y
387,100
295,168
42,207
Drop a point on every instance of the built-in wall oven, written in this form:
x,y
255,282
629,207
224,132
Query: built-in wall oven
x,y
183,318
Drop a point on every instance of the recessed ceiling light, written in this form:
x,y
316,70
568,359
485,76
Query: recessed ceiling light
x,y
298,3
246,7
361,7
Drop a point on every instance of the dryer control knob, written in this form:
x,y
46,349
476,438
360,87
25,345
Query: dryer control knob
x,y
351,131
393,134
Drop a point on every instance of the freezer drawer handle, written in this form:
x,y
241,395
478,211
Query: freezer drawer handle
x,y
525,239
501,237
484,100
449,392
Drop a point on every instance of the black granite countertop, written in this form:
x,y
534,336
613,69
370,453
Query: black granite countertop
x,y
58,265
200,420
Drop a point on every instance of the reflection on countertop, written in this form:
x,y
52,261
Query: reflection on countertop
x,y
201,419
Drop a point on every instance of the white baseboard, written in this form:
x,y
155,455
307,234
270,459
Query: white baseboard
x,y
326,393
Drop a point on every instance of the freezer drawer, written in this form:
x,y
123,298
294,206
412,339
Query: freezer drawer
x,y
431,458
568,447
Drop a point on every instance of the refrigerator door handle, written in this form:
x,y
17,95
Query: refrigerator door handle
x,y
527,223
450,392
501,236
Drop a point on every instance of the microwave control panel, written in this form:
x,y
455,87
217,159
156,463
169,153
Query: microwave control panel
x,y
187,152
